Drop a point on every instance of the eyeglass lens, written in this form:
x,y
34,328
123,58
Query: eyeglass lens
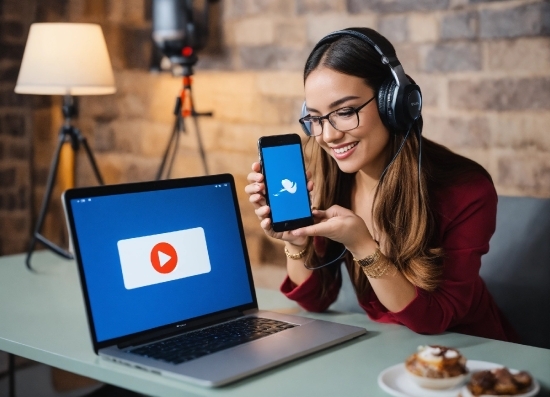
x,y
343,120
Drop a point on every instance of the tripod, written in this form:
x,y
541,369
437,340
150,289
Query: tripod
x,y
66,133
184,108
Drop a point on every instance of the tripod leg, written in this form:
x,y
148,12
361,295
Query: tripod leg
x,y
47,195
197,129
201,148
175,146
91,157
171,142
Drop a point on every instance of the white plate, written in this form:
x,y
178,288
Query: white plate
x,y
394,380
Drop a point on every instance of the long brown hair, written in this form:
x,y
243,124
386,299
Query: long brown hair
x,y
402,211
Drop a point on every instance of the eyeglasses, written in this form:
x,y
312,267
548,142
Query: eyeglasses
x,y
343,120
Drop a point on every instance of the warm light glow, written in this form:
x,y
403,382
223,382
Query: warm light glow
x,y
65,59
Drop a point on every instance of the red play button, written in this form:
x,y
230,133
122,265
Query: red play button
x,y
164,258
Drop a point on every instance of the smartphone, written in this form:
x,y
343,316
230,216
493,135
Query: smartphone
x,y
286,193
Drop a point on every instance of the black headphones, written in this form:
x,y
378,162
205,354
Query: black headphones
x,y
399,100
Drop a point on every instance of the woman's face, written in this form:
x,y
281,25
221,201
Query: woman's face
x,y
363,148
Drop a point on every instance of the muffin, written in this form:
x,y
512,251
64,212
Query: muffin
x,y
436,367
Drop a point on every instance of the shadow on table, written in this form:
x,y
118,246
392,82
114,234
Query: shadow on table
x,y
113,391
544,392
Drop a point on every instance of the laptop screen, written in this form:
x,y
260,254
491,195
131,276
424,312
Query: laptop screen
x,y
153,258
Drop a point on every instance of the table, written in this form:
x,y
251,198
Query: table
x,y
42,317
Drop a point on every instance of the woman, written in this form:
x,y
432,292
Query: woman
x,y
412,217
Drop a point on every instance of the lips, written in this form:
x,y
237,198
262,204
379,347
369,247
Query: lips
x,y
343,151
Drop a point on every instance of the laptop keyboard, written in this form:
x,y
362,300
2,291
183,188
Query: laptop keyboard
x,y
195,344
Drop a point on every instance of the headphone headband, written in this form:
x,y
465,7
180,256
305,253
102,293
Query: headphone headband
x,y
399,101
393,63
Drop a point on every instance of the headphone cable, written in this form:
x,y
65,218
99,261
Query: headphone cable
x,y
397,153
419,158
326,264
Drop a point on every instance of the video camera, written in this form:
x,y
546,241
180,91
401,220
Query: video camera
x,y
177,33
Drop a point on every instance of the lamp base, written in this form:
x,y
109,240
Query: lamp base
x,y
67,133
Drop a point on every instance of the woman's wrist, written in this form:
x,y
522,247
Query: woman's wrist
x,y
294,251
366,249
296,245
295,254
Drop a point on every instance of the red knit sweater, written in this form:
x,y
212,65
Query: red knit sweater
x,y
462,303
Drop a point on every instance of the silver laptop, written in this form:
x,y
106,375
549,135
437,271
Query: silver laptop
x,y
168,287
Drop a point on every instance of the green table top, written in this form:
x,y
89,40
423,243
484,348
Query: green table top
x,y
42,317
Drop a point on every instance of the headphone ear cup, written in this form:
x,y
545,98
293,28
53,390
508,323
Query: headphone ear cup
x,y
411,104
385,101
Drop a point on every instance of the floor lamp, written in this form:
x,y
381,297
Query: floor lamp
x,y
65,59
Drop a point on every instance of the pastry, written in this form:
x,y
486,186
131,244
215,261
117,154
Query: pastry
x,y
499,381
436,362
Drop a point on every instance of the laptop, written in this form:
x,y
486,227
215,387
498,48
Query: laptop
x,y
168,287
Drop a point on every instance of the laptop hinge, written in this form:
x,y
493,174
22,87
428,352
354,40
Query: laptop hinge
x,y
180,329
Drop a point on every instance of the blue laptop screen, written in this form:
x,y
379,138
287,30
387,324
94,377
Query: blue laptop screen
x,y
156,258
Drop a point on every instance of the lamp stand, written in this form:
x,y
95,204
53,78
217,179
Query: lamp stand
x,y
67,133
184,108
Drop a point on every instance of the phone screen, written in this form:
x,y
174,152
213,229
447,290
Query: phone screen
x,y
286,182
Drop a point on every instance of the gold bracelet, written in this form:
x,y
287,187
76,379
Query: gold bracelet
x,y
375,265
299,255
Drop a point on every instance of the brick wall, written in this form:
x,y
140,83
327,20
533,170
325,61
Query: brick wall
x,y
483,66
15,140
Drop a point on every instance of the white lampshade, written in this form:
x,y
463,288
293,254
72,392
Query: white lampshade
x,y
66,59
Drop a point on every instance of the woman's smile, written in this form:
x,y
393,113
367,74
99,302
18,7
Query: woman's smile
x,y
343,151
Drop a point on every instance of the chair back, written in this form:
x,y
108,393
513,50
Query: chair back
x,y
516,269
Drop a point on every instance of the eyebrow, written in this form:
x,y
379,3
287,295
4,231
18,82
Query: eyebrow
x,y
338,102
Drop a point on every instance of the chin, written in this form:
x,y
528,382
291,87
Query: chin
x,y
348,167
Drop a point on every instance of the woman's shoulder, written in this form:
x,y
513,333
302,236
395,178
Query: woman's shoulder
x,y
471,184
454,177
474,190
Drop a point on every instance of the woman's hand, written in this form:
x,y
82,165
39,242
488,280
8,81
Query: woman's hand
x,y
344,226
256,190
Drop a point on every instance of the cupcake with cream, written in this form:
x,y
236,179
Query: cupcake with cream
x,y
436,367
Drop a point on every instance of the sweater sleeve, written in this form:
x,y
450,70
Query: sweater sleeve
x,y
308,294
468,220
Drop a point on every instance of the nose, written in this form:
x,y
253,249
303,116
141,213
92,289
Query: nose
x,y
330,134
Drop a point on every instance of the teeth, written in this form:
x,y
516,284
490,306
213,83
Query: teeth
x,y
345,148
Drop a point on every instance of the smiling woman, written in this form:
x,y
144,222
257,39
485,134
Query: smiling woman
x,y
413,217
366,140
